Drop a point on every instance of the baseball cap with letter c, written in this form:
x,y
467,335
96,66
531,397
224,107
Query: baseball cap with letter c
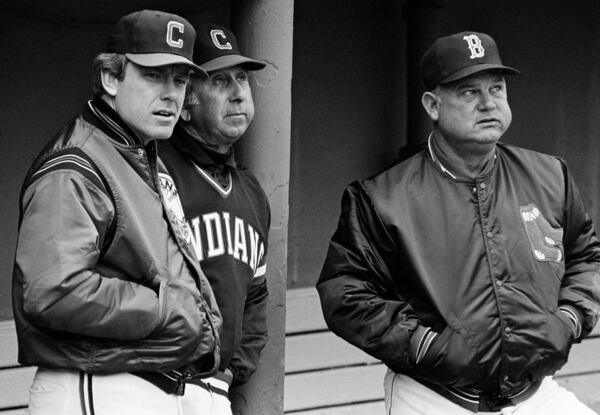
x,y
457,56
217,48
153,38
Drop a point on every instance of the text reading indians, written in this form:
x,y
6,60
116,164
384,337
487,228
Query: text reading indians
x,y
225,234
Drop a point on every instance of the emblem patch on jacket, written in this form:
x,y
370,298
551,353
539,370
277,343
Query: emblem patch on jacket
x,y
174,207
545,240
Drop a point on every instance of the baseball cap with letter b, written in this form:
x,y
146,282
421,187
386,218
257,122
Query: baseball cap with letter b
x,y
457,56
154,38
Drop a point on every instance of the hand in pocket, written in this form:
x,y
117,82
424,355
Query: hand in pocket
x,y
450,360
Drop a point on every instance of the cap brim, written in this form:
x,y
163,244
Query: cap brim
x,y
470,70
228,61
162,59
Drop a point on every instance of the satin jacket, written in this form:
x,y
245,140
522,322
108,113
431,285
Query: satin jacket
x,y
105,279
484,263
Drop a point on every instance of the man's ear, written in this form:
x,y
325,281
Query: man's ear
x,y
110,83
191,100
431,103
186,115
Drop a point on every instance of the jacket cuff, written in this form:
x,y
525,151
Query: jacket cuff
x,y
573,316
420,342
226,376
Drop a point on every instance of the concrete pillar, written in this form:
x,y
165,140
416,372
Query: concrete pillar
x,y
264,29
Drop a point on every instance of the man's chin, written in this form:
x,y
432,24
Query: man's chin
x,y
162,133
490,137
235,134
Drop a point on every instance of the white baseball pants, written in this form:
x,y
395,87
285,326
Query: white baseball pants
x,y
76,393
405,396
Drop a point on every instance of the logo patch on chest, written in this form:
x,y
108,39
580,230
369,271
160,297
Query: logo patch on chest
x,y
545,240
173,207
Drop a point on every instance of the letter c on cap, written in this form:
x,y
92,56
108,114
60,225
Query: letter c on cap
x,y
219,39
171,26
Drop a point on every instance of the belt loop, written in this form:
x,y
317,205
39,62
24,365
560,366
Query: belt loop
x,y
180,390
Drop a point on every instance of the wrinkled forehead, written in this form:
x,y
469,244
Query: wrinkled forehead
x,y
171,69
228,71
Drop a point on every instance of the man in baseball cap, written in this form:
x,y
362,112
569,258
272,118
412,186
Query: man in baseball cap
x,y
457,56
152,38
471,267
228,210
109,300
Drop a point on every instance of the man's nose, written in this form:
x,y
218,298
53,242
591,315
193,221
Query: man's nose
x,y
237,91
171,89
486,101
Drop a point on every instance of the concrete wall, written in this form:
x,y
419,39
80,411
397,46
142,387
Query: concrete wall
x,y
348,96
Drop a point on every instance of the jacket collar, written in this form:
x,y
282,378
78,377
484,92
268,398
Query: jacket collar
x,y
103,116
198,152
446,163
436,160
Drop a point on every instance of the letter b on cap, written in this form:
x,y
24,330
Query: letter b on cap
x,y
475,46
173,26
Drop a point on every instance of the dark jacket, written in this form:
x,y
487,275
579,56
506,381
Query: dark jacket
x,y
484,263
103,281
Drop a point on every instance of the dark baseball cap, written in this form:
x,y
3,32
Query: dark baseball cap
x,y
457,56
217,48
154,38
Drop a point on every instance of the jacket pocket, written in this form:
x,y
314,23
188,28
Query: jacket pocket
x,y
162,299
451,360
184,333
558,339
